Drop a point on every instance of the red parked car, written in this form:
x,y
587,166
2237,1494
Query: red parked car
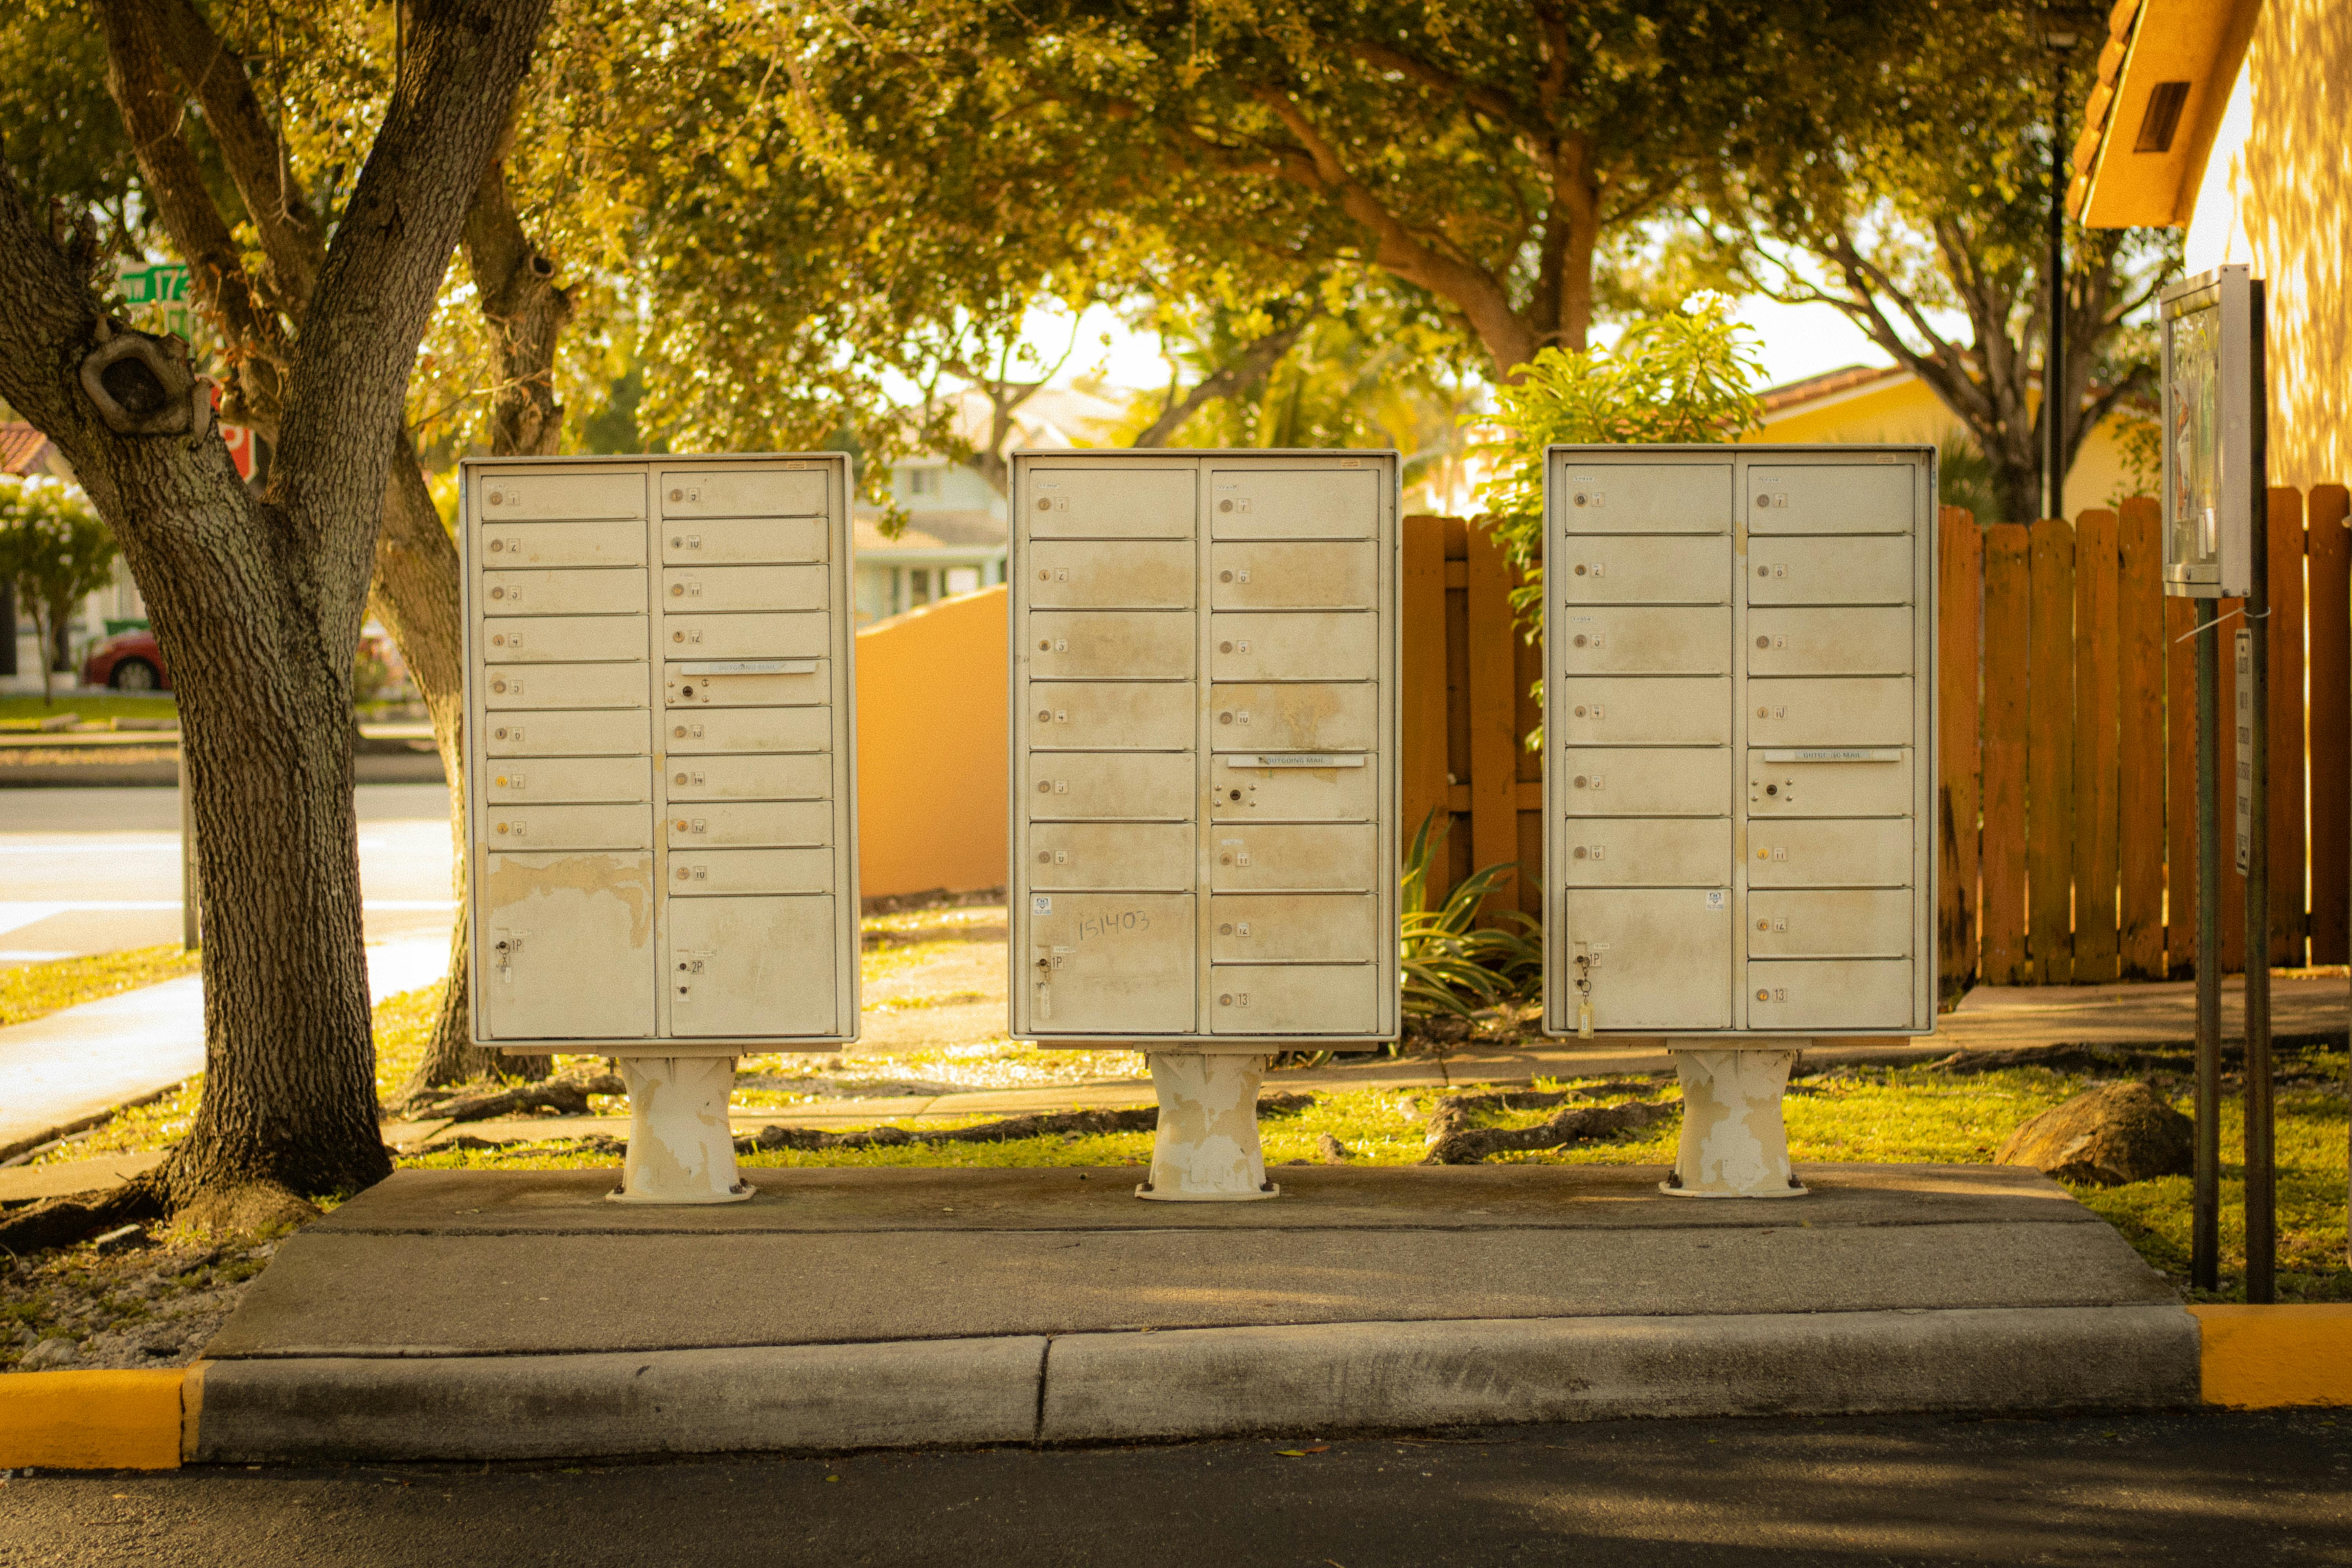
x,y
128,661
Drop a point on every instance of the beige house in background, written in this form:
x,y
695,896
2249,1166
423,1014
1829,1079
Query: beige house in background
x,y
2232,119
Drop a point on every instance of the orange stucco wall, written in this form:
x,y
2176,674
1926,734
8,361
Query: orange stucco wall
x,y
930,748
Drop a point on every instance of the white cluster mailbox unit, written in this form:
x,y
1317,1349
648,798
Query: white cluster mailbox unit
x,y
1203,774
659,792
1739,711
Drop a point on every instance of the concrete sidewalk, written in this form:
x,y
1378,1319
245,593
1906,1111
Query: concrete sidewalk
x,y
464,1315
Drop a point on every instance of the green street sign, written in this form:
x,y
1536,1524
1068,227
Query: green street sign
x,y
158,293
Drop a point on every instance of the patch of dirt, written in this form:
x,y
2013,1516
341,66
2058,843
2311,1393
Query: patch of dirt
x,y
151,1300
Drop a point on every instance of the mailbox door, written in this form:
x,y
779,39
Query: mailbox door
x,y
1125,502
1855,640
1819,852
1660,957
694,873
1277,645
1837,498
1661,711
579,957
1645,851
552,778
768,683
1294,503
1128,575
568,827
1829,781
700,733
1292,927
588,735
790,634
1846,922
748,825
570,592
1341,575
700,491
583,494
803,776
1157,856
1241,793
744,588
1605,570
1114,716
1097,644
1301,717
746,542
1081,784
1694,497
621,542
564,639
1829,571
1293,998
1301,856
1108,964
567,686
751,967
1829,993
1626,781
1642,641
1874,711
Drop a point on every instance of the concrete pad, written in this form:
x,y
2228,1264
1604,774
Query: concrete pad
x,y
1342,1376
678,1402
67,1177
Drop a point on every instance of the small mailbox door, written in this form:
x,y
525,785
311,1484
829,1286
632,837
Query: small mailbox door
x,y
567,686
1601,570
749,542
1871,852
1641,641
1657,958
701,491
1117,716
616,543
1843,498
1334,577
570,945
748,730
1303,857
1829,572
1829,781
1292,927
1294,646
801,776
1872,711
1129,502
585,494
1846,641
791,634
1317,503
742,967
1096,644
1154,855
1645,851
1829,993
570,778
1108,964
588,735
1301,717
564,639
695,872
1626,781
1293,998
1846,922
1078,784
1669,711
749,825
580,593
743,587
746,682
568,827
1131,574
1285,793
1644,498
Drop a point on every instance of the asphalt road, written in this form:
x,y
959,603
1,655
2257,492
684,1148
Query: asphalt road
x,y
89,870
2269,1488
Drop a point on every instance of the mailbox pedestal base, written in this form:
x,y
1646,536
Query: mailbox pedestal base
x,y
1206,1150
681,1149
1734,1143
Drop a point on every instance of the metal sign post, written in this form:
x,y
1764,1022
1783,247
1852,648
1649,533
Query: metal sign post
x,y
2205,1220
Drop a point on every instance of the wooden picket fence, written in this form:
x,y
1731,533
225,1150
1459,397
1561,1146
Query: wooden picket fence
x,y
2068,771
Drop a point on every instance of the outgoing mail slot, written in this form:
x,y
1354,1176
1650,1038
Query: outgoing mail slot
x,y
1644,851
565,946
1106,964
1151,856
1298,786
563,639
803,776
1130,501
543,734
566,685
1829,572
1292,927
1342,999
1613,781
1338,576
1132,574
743,588
1293,717
1123,716
618,544
1856,641
574,593
1131,785
546,778
1845,922
1809,994
746,542
742,492
1645,570
1829,781
699,871
751,967
1871,852
1693,641
1655,958
747,730
1636,710
1294,503
1304,857
1081,644
729,824
1642,497
1864,711
746,682
584,494
791,634
1843,498
567,827
1341,645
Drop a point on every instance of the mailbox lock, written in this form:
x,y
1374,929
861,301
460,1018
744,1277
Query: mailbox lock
x,y
681,778
1228,718
1763,713
500,733
1044,786
1579,498
1227,929
678,494
1579,639
1044,503
498,593
683,873
1763,571
1580,710
1043,576
1044,715
678,733
1045,645
1225,506
1224,647
1224,576
1237,794
1226,1000
1580,569
677,636
502,828
1579,851
497,498
1045,856
498,686
498,640
496,546
1763,925
677,590
1771,789
1763,996
1764,500
1764,642
1579,781
686,692
679,824
674,542
1763,854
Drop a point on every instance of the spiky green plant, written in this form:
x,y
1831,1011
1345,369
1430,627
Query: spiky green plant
x,y
1449,962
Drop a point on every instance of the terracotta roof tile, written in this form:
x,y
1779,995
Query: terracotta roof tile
x,y
21,448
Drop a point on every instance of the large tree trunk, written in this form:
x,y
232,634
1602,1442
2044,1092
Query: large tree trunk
x,y
258,602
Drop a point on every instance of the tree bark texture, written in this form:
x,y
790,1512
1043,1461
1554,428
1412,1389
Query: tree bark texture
x,y
258,602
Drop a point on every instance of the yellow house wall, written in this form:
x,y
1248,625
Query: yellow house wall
x,y
932,805
2274,195
1906,411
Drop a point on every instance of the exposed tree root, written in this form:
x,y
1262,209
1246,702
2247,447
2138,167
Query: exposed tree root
x,y
1468,1145
567,1096
61,1222
1143,1118
1452,1114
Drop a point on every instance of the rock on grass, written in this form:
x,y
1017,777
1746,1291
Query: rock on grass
x,y
2105,1136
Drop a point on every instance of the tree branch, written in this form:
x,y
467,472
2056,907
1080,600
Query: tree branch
x,y
1243,371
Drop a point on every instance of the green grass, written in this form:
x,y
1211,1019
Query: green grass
x,y
31,990
21,712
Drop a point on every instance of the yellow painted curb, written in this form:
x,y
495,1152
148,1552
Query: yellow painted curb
x,y
2259,1357
90,1420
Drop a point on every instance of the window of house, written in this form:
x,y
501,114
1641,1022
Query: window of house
x,y
923,481
962,580
918,587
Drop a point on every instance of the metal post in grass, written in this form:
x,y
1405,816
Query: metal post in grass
x,y
2205,1205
